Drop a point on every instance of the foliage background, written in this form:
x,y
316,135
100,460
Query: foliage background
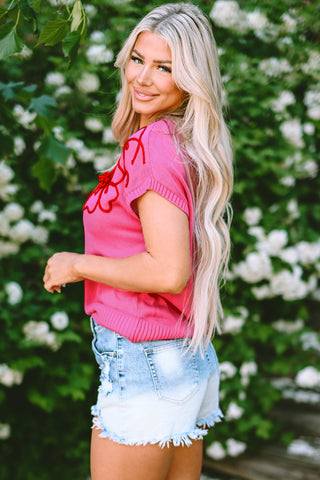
x,y
56,108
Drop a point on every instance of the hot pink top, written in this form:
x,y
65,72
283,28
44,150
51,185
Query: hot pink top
x,y
149,161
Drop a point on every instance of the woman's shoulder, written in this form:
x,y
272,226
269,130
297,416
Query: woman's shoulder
x,y
164,129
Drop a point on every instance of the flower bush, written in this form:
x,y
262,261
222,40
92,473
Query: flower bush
x,y
58,89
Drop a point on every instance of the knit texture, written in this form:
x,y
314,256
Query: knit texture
x,y
149,161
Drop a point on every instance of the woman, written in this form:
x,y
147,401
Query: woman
x,y
156,245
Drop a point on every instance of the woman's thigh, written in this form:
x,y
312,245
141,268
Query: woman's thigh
x,y
113,461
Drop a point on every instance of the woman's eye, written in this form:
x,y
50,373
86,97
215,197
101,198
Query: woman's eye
x,y
136,59
163,68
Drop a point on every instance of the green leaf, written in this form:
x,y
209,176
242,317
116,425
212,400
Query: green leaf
x,y
10,43
7,89
26,10
35,4
53,149
3,12
71,45
45,172
43,105
53,32
77,15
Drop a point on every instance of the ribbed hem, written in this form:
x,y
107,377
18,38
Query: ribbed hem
x,y
137,329
152,184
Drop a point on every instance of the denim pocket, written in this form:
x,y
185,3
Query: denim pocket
x,y
175,373
100,343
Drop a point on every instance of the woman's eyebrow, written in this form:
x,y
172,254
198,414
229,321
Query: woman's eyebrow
x,y
154,61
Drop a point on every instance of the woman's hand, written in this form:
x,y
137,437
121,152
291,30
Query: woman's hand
x,y
61,270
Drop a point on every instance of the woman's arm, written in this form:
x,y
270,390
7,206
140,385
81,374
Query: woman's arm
x,y
164,267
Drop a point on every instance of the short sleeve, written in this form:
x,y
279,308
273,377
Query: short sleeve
x,y
153,163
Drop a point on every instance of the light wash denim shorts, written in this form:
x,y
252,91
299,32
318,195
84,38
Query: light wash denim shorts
x,y
154,392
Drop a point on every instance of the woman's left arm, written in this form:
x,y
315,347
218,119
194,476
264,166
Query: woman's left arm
x,y
164,267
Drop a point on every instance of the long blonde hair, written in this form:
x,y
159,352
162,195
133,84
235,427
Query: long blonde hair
x,y
206,146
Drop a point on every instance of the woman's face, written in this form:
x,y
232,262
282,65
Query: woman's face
x,y
149,78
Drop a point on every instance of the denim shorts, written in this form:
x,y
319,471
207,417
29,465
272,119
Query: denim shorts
x,y
154,392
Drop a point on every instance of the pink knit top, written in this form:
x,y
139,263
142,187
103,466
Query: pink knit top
x,y
149,161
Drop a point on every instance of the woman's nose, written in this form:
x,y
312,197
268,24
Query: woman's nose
x,y
144,76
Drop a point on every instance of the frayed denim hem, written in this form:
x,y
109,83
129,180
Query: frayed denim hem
x,y
178,440
210,420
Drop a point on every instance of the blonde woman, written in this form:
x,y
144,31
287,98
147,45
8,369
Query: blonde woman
x,y
156,246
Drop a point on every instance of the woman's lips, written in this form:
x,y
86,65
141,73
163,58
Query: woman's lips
x,y
143,95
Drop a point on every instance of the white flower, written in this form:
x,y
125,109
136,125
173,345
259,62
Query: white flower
x,y
97,37
4,225
288,327
252,216
234,447
24,117
93,124
88,82
227,14
289,255
14,292
57,3
37,206
232,324
56,79
91,10
9,376
227,370
257,20
301,447
13,212
312,65
64,90
6,173
25,52
257,232
97,54
308,128
256,267
59,320
309,377
310,340
248,369
309,252
38,332
75,144
39,235
292,132
288,181
314,112
8,248
102,162
216,451
86,155
47,215
22,231
107,136
290,23
289,284
19,145
292,208
5,431
308,169
274,242
286,98
262,292
275,67
234,411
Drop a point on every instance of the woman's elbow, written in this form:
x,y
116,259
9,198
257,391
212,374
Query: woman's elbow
x,y
177,281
